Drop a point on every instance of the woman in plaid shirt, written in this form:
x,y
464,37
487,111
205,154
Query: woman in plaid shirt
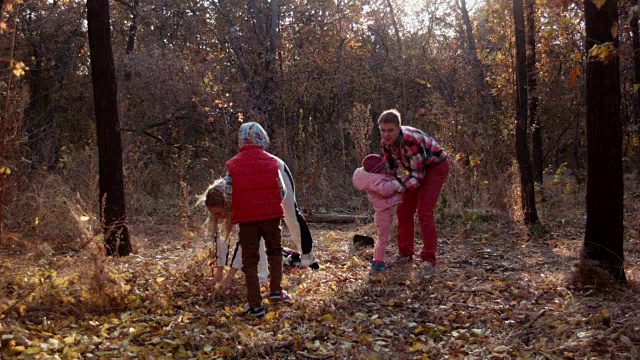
x,y
421,168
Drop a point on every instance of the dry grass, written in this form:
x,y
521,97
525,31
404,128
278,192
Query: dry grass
x,y
500,290
494,289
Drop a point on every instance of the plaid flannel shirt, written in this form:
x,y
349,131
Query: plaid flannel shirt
x,y
410,157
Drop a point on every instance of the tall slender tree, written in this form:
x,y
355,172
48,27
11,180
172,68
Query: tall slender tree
x,y
472,52
532,83
635,38
604,229
522,149
112,203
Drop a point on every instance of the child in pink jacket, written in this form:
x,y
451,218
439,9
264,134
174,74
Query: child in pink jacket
x,y
382,191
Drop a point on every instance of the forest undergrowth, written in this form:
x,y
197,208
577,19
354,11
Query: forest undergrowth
x,y
500,291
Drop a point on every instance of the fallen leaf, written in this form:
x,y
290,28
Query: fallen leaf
x,y
418,347
599,3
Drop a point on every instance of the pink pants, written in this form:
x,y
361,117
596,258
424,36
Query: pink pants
x,y
383,220
423,200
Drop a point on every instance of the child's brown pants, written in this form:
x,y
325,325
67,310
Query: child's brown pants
x,y
249,236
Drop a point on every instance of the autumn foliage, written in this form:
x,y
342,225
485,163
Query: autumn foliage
x,y
316,74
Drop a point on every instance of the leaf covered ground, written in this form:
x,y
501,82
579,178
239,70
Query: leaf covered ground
x,y
498,292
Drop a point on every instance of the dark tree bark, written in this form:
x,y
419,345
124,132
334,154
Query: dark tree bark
x,y
604,229
112,202
577,159
133,28
532,82
40,122
273,35
271,70
635,36
522,149
131,38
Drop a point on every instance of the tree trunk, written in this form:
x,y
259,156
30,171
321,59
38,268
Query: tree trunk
x,y
577,159
112,202
133,28
635,36
522,149
40,124
402,62
131,38
478,74
532,81
273,35
603,241
271,69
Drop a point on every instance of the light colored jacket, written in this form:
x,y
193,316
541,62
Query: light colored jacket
x,y
381,189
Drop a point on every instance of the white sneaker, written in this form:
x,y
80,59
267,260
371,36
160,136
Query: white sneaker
x,y
306,260
427,269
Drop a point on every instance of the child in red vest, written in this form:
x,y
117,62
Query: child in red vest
x,y
382,191
256,190
219,228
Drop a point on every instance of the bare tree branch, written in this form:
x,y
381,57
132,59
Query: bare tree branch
x,y
153,136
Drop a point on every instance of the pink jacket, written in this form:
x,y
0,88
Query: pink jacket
x,y
381,189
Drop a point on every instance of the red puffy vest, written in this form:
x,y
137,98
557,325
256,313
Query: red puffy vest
x,y
256,188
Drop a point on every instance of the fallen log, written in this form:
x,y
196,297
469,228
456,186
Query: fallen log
x,y
335,218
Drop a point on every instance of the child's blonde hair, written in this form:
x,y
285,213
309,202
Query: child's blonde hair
x,y
213,197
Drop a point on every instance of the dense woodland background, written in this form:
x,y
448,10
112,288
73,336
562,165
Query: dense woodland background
x,y
515,92
315,73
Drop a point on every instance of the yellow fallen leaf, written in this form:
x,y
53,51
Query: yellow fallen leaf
x,y
32,351
159,280
418,347
420,330
182,353
224,351
326,317
604,52
599,3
